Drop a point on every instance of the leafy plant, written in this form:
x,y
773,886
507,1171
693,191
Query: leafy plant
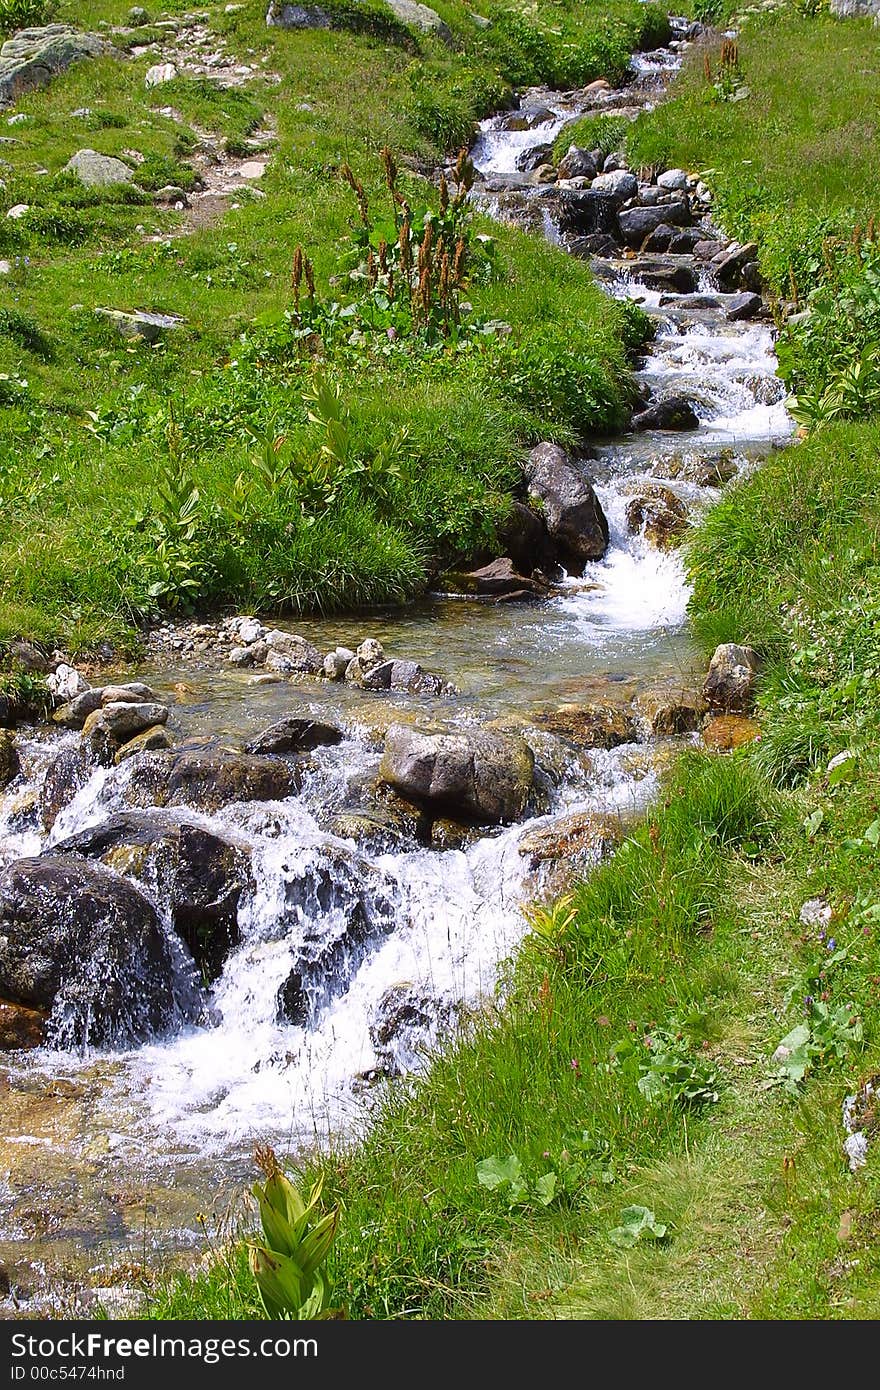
x,y
297,1239
637,1223
827,1034
23,14
671,1070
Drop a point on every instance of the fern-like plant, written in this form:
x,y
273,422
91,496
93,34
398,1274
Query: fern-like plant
x,y
297,1237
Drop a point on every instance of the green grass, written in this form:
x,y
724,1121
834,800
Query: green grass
x,y
93,427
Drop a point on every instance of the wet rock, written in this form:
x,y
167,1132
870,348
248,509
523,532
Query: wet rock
x,y
524,538
533,158
209,778
743,306
545,173
335,905
197,875
572,512
151,740
21,1027
728,731
668,276
477,776
617,184
637,223
497,579
584,212
590,726
294,735
132,693
526,118
657,513
292,654
368,656
66,774
336,663
578,164
372,832
706,249
378,677
449,834
729,264
85,944
97,170
409,678
660,239
673,413
32,57
672,709
598,244
683,241
9,762
124,720
580,839
406,1018
730,682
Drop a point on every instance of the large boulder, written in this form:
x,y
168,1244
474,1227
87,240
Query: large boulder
x,y
578,164
421,17
208,778
406,1020
617,184
523,536
671,708
78,940
638,223
584,212
730,682
199,877
572,512
577,840
671,413
97,170
66,774
499,580
32,57
479,775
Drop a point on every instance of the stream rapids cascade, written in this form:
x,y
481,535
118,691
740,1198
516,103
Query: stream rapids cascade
x,y
353,947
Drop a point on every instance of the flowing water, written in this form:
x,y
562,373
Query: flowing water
x,y
115,1153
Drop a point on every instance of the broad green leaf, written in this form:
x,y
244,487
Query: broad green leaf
x,y
495,1172
279,1280
313,1247
545,1188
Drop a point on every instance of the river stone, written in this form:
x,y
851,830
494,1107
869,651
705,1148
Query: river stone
x,y
671,709
658,514
97,170
524,537
209,778
150,740
729,264
728,731
730,683
336,663
578,163
476,776
660,239
743,306
133,693
32,57
500,579
294,735
66,774
638,223
66,682
406,1018
673,413
21,1027
590,726
124,720
9,762
674,180
586,212
572,513
584,835
617,184
371,832
297,654
75,713
334,905
84,943
197,875
449,834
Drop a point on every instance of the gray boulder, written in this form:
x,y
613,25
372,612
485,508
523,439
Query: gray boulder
x,y
9,762
577,164
618,184
420,17
282,16
32,57
209,778
730,682
291,654
77,939
97,170
673,413
743,306
479,775
586,212
637,223
572,513
141,323
66,774
196,875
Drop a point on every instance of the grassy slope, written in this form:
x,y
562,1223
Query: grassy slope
x,y
694,928
82,497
